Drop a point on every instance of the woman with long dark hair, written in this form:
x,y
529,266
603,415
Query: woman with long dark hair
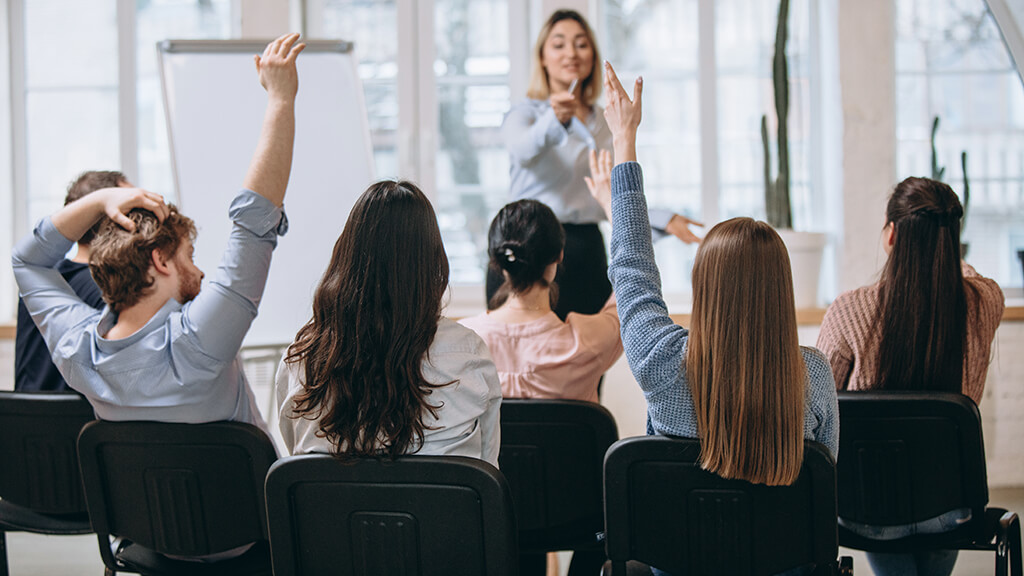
x,y
549,136
377,371
928,324
738,379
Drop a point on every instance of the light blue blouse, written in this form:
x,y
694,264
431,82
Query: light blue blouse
x,y
549,161
183,365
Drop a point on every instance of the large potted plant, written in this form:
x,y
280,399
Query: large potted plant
x,y
805,248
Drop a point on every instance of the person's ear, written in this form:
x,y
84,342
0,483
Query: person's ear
x,y
890,234
160,263
561,256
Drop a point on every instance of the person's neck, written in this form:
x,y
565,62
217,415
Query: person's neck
x,y
82,255
133,318
526,306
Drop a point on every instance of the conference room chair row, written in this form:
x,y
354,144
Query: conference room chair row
x,y
153,492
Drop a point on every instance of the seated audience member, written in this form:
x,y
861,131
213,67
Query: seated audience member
x,y
928,324
738,379
34,370
377,371
536,353
162,349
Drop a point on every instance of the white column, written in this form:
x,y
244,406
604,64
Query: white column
x,y
867,74
7,237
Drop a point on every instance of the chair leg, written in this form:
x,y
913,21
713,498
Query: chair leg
x,y
1008,546
3,554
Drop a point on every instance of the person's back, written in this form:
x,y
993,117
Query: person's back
x,y
737,380
377,371
164,349
928,324
536,353
34,370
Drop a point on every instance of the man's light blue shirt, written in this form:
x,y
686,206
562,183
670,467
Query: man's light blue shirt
x,y
183,365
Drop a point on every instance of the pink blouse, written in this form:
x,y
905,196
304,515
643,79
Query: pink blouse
x,y
548,358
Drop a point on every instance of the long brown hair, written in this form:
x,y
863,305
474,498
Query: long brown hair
x,y
922,298
375,314
743,363
539,89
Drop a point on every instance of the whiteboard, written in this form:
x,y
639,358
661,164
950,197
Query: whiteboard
x,y
214,109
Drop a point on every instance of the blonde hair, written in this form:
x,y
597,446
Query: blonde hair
x,y
743,363
590,88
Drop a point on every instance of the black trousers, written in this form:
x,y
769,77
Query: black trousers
x,y
582,278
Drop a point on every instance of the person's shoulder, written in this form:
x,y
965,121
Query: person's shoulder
x,y
476,323
453,337
816,362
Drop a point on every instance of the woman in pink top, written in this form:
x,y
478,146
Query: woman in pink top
x,y
537,354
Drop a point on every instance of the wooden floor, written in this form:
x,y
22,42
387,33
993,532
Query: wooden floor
x,y
33,555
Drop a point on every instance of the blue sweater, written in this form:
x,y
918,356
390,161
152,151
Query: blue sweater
x,y
656,347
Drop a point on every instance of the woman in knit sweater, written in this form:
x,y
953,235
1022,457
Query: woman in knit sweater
x,y
928,324
738,381
877,337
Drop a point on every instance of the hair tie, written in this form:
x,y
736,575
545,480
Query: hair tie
x,y
510,255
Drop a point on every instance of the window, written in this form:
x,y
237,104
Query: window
x,y
444,133
471,68
77,114
951,63
372,25
708,87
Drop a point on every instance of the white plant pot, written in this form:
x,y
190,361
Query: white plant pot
x,y
805,254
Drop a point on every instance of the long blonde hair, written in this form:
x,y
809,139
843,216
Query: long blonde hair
x,y
590,89
743,363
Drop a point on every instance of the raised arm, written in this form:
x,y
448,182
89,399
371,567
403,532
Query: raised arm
x,y
653,343
272,163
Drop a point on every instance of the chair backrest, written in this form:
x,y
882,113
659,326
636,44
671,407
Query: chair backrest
x,y
180,489
905,457
552,453
415,515
662,509
38,457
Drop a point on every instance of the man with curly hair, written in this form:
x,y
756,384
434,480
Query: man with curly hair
x,y
162,349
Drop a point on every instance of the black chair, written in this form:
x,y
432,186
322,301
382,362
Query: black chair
x,y
182,490
663,510
905,457
40,488
552,453
415,515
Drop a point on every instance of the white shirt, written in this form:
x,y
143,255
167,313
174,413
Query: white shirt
x,y
468,417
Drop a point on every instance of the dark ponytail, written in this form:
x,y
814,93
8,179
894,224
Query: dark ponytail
x,y
922,300
524,239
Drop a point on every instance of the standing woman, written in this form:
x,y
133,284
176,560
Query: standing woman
x,y
549,136
928,324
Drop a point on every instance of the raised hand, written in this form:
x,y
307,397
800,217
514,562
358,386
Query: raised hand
x,y
276,67
600,180
119,201
679,226
564,106
622,114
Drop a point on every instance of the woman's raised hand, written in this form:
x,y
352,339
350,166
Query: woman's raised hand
x,y
622,114
600,180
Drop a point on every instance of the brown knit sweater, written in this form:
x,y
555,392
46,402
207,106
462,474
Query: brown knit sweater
x,y
850,339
